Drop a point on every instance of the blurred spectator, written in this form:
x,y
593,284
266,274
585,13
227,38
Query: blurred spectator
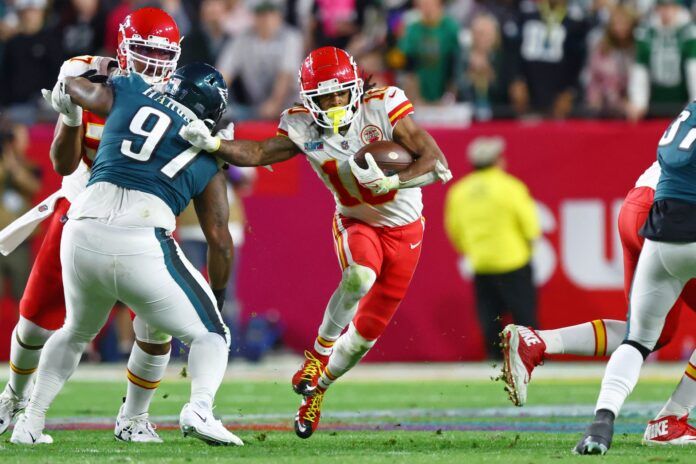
x,y
485,82
337,23
492,220
609,65
664,75
238,17
82,25
178,10
548,50
208,37
260,66
30,62
431,47
371,64
18,183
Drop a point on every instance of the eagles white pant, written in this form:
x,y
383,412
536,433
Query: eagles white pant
x,y
141,267
663,270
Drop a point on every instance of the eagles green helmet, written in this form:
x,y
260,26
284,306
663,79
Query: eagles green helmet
x,y
200,88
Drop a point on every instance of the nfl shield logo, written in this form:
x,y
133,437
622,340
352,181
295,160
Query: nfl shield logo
x,y
344,145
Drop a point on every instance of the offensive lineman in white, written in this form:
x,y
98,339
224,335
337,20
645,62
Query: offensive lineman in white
x,y
378,228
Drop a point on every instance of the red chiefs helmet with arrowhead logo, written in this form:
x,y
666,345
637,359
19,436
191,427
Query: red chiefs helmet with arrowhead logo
x,y
148,44
328,70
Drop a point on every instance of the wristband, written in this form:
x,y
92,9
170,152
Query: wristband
x,y
74,120
220,297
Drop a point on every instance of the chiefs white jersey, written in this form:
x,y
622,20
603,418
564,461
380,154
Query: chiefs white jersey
x,y
93,125
650,177
328,154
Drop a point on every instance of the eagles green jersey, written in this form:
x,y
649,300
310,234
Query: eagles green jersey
x,y
141,148
665,52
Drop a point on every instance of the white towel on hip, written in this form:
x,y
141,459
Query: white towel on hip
x,y
22,227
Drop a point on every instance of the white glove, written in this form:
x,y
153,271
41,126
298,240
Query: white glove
x,y
197,134
372,177
71,114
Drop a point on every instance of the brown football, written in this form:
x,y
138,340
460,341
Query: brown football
x,y
390,156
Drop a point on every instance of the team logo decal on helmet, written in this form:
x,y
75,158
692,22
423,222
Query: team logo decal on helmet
x,y
200,88
148,44
328,70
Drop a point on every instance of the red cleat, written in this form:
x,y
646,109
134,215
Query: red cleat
x,y
307,418
306,378
523,350
670,430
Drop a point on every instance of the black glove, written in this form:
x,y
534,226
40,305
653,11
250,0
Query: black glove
x,y
220,297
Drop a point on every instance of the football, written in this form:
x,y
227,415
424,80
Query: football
x,y
390,156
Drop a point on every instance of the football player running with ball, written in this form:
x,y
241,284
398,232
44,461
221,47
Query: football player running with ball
x,y
667,263
148,45
117,243
377,228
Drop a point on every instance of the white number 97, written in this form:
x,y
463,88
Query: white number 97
x,y
152,139
152,136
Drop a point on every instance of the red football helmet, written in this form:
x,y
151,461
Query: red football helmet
x,y
328,70
148,44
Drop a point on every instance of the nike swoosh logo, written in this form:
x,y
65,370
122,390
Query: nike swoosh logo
x,y
201,417
392,94
300,426
33,440
415,245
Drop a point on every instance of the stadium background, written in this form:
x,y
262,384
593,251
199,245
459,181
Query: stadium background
x,y
577,168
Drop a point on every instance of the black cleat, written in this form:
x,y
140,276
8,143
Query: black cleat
x,y
598,436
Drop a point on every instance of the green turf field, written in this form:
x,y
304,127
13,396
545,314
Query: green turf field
x,y
366,422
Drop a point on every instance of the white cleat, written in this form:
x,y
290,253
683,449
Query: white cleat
x,y
10,405
137,429
523,350
200,423
29,431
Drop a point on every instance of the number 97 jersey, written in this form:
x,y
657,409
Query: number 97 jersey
x,y
328,154
141,148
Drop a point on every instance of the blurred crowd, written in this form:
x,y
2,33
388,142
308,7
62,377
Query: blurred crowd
x,y
501,58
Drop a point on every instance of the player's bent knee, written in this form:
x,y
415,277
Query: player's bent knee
x,y
145,333
642,349
154,349
31,336
358,280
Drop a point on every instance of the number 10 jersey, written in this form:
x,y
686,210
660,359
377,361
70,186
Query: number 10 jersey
x,y
328,154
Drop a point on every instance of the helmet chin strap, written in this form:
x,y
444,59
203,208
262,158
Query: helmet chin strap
x,y
337,115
